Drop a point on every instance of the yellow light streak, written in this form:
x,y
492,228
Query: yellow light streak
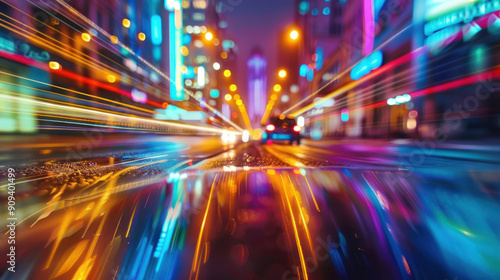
x,y
80,57
98,115
75,55
312,195
195,266
306,229
64,53
295,231
63,226
70,90
131,219
244,114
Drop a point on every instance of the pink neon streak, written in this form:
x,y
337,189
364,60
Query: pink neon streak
x,y
369,26
431,90
443,87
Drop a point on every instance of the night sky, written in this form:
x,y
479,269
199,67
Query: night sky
x,y
258,23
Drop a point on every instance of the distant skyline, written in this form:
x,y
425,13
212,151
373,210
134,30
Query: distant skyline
x,y
258,23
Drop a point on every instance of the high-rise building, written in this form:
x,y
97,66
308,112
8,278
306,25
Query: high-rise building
x,y
257,86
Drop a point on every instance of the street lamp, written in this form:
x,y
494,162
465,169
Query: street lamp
x,y
141,36
227,73
294,34
86,37
54,65
228,97
126,23
111,78
282,73
277,87
209,36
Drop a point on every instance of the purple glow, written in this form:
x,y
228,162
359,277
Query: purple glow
x,y
139,96
256,87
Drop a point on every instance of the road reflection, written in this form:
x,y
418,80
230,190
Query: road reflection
x,y
265,223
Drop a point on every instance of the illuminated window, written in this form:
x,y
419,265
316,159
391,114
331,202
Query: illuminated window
x,y
303,7
156,32
184,51
201,59
200,4
199,16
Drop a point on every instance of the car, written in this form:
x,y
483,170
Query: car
x,y
282,128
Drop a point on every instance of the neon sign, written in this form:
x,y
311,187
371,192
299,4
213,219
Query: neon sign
x,y
400,99
366,65
25,49
466,14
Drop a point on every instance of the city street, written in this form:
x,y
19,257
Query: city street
x,y
249,139
175,208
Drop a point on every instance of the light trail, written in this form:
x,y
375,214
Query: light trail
x,y
65,103
304,223
391,65
98,115
101,64
295,231
81,57
339,75
127,106
159,72
131,219
70,75
145,62
312,194
196,262
382,87
431,90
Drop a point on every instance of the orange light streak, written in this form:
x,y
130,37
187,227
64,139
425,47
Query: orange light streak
x,y
195,266
295,231
302,217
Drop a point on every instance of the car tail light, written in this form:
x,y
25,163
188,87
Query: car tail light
x,y
270,127
296,128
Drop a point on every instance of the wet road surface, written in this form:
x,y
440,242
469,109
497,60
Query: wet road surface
x,y
198,209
